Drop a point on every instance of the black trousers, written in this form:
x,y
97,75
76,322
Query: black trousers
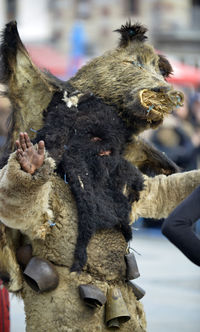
x,y
178,227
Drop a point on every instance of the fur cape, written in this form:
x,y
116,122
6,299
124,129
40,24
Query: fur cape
x,y
88,146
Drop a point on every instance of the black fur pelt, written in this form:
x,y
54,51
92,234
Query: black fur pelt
x,y
87,143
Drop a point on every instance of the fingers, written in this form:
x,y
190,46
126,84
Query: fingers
x,y
19,154
19,149
23,142
27,140
18,144
41,147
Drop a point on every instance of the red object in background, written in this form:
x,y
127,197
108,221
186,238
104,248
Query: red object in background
x,y
184,74
46,57
4,309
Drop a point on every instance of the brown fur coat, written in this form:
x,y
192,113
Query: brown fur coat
x,y
27,203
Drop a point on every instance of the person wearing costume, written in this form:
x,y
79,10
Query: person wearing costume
x,y
38,208
27,197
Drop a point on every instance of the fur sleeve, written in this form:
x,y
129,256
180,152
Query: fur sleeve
x,y
24,198
9,240
163,193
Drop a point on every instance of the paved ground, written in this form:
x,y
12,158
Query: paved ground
x,y
172,284
171,281
17,315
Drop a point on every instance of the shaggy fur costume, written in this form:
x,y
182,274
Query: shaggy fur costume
x,y
26,201
123,77
117,76
78,139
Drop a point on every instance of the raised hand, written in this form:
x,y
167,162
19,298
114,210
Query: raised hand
x,y
29,158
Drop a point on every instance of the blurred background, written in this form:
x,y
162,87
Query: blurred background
x,y
61,35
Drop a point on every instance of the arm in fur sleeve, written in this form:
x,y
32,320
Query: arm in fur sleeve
x,y
163,193
24,198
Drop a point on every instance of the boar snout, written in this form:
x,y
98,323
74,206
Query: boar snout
x,y
158,102
176,97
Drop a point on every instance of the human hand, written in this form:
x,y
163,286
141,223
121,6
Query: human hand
x,y
29,158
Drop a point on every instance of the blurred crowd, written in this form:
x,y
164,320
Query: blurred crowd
x,y
179,136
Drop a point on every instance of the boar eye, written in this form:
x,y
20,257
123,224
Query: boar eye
x,y
136,63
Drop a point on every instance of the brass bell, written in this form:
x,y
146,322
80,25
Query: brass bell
x,y
41,275
24,254
92,295
132,271
116,310
137,290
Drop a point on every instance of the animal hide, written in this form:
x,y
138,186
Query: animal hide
x,y
30,91
87,146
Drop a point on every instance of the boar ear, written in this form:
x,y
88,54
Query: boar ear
x,y
28,89
130,33
164,66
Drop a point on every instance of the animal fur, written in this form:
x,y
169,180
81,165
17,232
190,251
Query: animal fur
x,y
104,186
105,265
119,76
113,76
131,33
25,199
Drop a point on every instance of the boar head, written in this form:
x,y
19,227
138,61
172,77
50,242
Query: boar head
x,y
133,78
